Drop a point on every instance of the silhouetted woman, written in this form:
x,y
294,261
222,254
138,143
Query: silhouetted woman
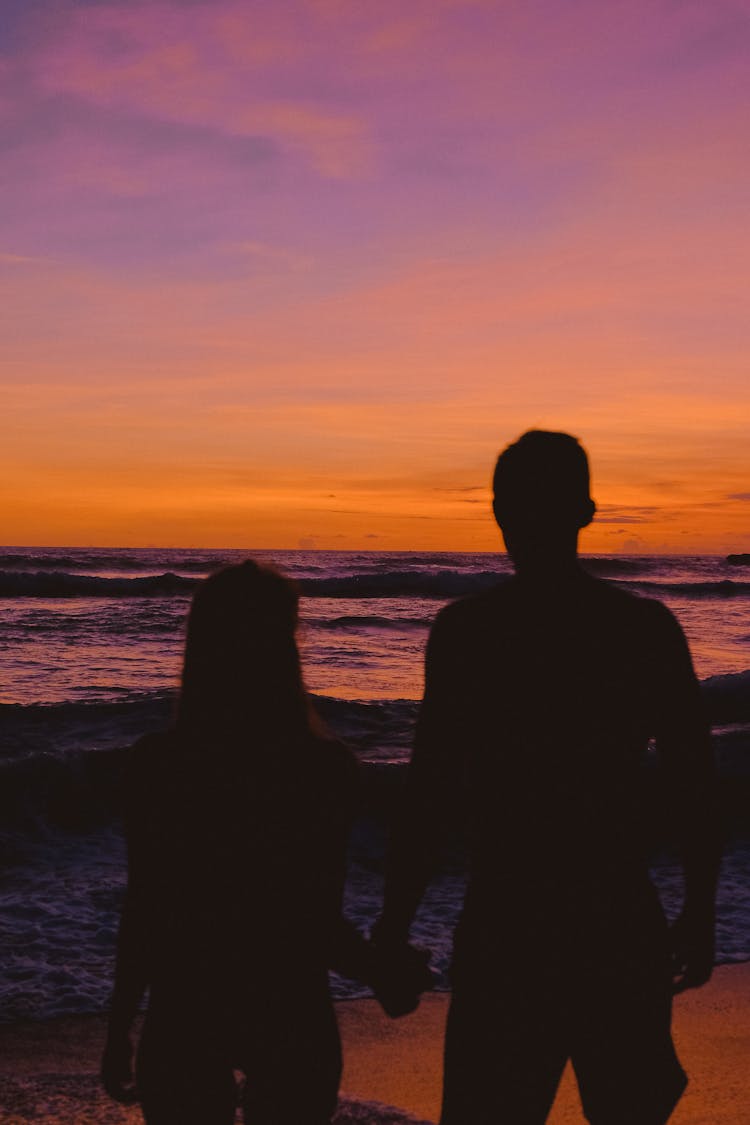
x,y
236,823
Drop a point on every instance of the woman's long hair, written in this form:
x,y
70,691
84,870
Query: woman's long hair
x,y
241,676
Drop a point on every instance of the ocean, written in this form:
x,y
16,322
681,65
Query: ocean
x,y
91,645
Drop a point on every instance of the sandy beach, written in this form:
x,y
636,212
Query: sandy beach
x,y
48,1070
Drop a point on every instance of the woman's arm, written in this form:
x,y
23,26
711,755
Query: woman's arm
x,y
131,961
131,979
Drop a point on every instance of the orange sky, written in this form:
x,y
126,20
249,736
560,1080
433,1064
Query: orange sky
x,y
295,277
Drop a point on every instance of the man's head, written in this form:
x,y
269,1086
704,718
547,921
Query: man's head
x,y
541,493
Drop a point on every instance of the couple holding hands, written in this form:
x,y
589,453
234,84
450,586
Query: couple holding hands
x,y
541,697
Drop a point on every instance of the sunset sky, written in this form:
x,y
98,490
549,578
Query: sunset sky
x,y
291,272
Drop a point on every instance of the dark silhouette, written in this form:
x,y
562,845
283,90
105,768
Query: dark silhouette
x,y
541,696
236,824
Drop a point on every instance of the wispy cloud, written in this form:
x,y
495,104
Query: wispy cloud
x,y
264,255
21,260
189,64
613,513
462,488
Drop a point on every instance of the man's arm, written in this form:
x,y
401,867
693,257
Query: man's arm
x,y
684,747
429,795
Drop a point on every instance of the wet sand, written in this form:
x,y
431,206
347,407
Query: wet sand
x,y
48,1070
399,1062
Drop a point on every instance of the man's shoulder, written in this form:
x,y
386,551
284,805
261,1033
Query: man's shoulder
x,y
648,612
474,609
506,602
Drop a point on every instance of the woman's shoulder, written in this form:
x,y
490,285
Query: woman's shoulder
x,y
334,751
148,765
151,749
334,761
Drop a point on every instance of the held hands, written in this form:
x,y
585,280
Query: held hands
x,y
400,974
117,1069
692,947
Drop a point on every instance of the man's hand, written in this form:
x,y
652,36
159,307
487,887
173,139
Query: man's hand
x,y
117,1069
692,947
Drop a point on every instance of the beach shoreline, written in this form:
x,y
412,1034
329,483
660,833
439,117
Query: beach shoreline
x,y
48,1069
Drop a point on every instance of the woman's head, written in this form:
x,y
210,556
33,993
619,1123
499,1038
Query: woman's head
x,y
242,669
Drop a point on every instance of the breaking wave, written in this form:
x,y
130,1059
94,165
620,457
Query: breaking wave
x,y
381,584
58,583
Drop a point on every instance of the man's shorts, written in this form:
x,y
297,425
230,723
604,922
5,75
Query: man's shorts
x,y
513,1024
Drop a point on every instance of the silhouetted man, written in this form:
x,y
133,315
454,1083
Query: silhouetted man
x,y
541,697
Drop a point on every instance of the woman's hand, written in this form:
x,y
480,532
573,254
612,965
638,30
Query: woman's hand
x,y
117,1069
